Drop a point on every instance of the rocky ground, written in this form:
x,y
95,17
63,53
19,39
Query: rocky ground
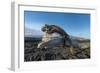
x,y
57,53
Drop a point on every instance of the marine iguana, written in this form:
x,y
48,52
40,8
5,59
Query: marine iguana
x,y
65,39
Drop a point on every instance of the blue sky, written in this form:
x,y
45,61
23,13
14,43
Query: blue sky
x,y
75,24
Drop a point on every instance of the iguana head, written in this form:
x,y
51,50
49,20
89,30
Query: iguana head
x,y
47,28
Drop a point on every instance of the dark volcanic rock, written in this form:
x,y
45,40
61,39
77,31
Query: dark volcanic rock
x,y
32,53
54,54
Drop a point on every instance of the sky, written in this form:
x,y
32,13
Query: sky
x,y
76,24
